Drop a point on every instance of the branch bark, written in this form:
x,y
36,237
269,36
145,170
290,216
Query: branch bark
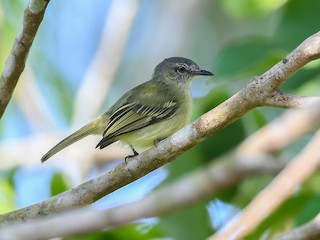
x,y
309,231
256,93
15,63
202,183
191,188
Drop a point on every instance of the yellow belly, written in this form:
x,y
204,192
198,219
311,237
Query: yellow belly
x,y
144,138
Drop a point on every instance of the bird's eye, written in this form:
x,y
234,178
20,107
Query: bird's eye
x,y
181,69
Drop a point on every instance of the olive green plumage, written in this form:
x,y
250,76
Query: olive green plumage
x,y
148,113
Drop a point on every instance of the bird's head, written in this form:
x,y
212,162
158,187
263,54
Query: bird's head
x,y
179,70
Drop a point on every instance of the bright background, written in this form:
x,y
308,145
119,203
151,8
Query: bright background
x,y
88,53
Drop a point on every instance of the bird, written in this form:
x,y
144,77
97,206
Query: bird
x,y
146,114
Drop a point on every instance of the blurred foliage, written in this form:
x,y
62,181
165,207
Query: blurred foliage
x,y
133,232
10,14
190,223
236,39
58,184
7,196
297,210
7,191
243,9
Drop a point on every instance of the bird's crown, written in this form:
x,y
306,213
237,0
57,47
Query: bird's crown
x,y
179,68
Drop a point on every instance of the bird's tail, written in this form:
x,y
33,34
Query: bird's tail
x,y
95,127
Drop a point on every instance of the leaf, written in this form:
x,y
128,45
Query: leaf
x,y
58,184
7,197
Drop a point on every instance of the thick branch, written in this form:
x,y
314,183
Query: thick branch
x,y
307,51
254,94
192,188
137,167
15,63
201,183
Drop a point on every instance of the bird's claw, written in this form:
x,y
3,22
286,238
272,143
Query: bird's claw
x,y
156,141
135,153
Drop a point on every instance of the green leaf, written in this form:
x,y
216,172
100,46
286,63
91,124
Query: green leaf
x,y
7,197
58,184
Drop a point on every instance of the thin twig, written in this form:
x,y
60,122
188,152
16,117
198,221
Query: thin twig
x,y
284,100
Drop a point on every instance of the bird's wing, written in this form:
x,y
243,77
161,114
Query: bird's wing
x,y
133,116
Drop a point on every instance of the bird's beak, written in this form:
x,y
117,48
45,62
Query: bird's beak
x,y
202,72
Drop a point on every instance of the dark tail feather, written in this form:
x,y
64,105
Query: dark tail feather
x,y
105,142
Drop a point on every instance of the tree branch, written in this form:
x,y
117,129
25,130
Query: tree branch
x,y
284,100
309,231
301,168
254,94
15,63
280,133
201,184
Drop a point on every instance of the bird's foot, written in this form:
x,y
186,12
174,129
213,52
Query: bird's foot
x,y
130,156
135,153
156,141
